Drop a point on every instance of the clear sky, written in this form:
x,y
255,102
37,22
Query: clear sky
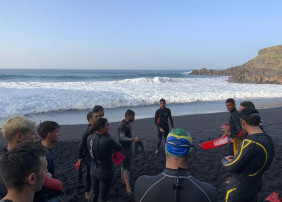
x,y
132,34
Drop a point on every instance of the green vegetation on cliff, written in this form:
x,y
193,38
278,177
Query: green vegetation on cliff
x,y
265,68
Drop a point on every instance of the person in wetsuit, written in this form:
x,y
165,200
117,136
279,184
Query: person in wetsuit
x,y
83,154
23,169
100,147
243,105
175,183
234,124
126,139
162,116
254,156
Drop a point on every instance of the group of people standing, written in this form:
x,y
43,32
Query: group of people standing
x,y
28,171
250,152
26,165
97,147
96,150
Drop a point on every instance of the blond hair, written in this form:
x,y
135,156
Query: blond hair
x,y
17,124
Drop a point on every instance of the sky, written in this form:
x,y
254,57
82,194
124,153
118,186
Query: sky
x,y
147,34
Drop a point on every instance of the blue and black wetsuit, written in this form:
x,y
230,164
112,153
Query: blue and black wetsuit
x,y
162,117
254,156
50,161
173,185
100,148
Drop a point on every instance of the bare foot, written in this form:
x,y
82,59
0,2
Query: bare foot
x,y
86,195
227,181
129,192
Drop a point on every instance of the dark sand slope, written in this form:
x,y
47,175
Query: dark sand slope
x,y
205,164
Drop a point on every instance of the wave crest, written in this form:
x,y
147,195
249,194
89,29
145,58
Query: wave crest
x,y
147,80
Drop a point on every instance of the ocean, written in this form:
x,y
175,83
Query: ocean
x,y
66,96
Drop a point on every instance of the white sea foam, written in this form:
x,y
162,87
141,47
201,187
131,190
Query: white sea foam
x,y
186,73
35,97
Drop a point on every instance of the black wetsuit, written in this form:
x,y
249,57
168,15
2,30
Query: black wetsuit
x,y
3,188
162,116
173,186
235,129
125,139
254,156
84,154
100,148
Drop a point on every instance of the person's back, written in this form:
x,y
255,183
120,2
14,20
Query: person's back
x,y
175,183
172,185
101,148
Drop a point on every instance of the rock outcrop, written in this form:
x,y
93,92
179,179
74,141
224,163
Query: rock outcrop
x,y
265,68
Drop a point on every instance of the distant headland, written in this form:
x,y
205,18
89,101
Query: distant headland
x,y
266,68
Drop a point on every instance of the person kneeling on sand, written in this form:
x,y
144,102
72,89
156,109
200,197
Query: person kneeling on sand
x,y
23,170
101,146
175,183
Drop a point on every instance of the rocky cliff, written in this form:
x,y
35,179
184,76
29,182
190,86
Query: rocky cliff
x,y
265,68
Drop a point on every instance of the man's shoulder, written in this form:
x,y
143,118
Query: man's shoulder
x,y
146,180
86,131
143,184
123,124
158,110
149,178
202,184
205,188
235,112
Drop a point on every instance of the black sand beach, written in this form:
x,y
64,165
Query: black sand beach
x,y
205,165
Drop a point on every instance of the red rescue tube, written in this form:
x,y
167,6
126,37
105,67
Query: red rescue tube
x,y
52,183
